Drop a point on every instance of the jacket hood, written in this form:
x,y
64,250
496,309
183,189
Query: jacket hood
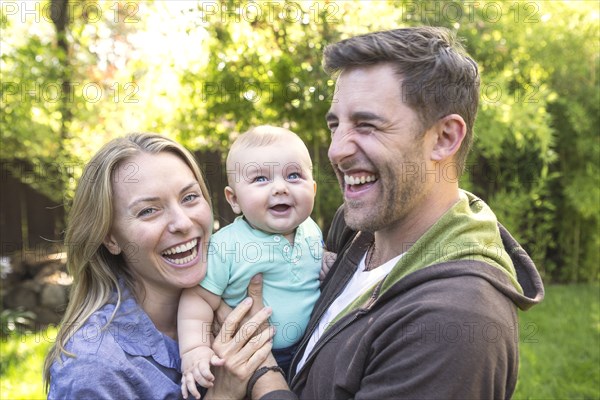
x,y
530,282
466,240
468,231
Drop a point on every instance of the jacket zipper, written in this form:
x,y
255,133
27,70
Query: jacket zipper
x,y
338,327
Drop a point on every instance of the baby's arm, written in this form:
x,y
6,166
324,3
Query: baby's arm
x,y
194,320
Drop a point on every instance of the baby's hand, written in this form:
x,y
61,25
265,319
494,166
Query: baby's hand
x,y
326,263
195,367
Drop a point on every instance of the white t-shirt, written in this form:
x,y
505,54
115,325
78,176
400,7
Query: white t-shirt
x,y
358,284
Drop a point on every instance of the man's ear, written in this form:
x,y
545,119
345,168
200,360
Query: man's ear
x,y
111,244
232,199
451,131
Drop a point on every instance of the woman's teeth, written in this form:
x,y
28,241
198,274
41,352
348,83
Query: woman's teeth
x,y
175,254
184,260
181,248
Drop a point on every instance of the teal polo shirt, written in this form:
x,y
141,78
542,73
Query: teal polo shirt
x,y
290,272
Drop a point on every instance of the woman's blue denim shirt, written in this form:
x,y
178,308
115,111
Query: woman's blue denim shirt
x,y
128,359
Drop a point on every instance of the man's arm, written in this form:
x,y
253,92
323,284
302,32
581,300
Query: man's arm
x,y
272,384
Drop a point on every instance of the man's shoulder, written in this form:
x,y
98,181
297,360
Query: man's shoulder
x,y
453,296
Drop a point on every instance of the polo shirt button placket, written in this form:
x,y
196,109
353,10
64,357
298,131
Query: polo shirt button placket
x,y
286,253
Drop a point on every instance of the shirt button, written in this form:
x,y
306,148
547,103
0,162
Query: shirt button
x,y
277,239
286,248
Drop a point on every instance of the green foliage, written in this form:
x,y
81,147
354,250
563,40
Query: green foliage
x,y
21,364
12,321
264,69
536,157
560,345
204,72
29,112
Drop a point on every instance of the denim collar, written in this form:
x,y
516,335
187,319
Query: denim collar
x,y
135,332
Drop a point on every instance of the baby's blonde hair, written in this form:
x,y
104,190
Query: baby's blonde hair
x,y
261,136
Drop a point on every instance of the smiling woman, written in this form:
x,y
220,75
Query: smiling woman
x,y
137,236
161,220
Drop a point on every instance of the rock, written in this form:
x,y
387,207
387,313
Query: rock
x,y
32,285
21,297
53,296
36,280
47,316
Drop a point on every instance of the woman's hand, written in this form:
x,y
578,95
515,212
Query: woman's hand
x,y
243,347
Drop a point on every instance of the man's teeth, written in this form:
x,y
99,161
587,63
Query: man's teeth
x,y
358,180
181,248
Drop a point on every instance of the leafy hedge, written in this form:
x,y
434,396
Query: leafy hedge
x,y
536,157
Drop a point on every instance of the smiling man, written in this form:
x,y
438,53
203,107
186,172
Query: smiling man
x,y
422,299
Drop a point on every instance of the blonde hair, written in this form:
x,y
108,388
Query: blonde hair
x,y
260,136
94,269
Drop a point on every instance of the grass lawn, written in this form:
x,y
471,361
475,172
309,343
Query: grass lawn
x,y
560,350
21,362
560,345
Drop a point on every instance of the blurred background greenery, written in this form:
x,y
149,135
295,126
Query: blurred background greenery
x,y
75,74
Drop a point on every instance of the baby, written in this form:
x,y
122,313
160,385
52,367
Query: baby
x,y
269,173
